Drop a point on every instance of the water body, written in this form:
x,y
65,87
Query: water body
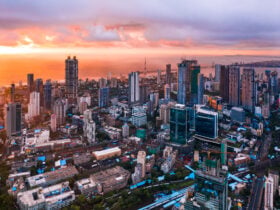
x,y
15,68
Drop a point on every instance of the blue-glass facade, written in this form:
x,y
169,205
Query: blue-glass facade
x,y
103,96
48,95
178,125
206,124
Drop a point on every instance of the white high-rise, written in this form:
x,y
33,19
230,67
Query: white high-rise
x,y
141,158
134,91
89,126
90,131
125,130
34,105
268,194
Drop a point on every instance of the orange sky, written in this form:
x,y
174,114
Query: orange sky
x,y
110,36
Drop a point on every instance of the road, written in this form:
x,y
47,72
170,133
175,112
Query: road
x,y
265,147
256,194
166,199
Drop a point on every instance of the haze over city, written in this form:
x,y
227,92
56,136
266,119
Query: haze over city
x,y
113,36
134,104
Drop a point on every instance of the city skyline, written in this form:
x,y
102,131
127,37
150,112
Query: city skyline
x,y
35,37
139,104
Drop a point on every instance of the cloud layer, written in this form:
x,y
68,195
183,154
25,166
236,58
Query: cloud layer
x,y
231,24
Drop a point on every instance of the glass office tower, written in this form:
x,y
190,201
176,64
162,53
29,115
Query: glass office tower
x,y
206,123
178,124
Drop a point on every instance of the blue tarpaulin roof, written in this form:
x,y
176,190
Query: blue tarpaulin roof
x,y
62,162
40,170
42,158
190,176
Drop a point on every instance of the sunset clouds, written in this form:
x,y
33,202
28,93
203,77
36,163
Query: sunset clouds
x,y
238,25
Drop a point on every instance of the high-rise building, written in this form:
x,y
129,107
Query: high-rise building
x,y
139,116
102,83
34,105
234,85
71,78
39,87
211,183
217,72
12,93
224,83
194,84
141,158
274,174
164,113
206,123
48,95
178,124
158,76
59,109
103,97
125,130
89,126
200,90
53,123
13,119
184,81
248,89
30,82
167,91
144,93
274,83
168,74
133,82
154,99
268,194
211,189
90,131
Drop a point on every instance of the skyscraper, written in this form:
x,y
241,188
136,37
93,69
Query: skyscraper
x,y
194,84
184,81
274,174
125,130
34,105
141,158
71,78
144,93
102,82
178,124
103,97
200,91
13,119
234,85
53,123
274,83
248,89
59,108
48,95
268,193
217,72
211,189
12,93
168,74
206,123
133,82
158,76
167,91
224,83
30,82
